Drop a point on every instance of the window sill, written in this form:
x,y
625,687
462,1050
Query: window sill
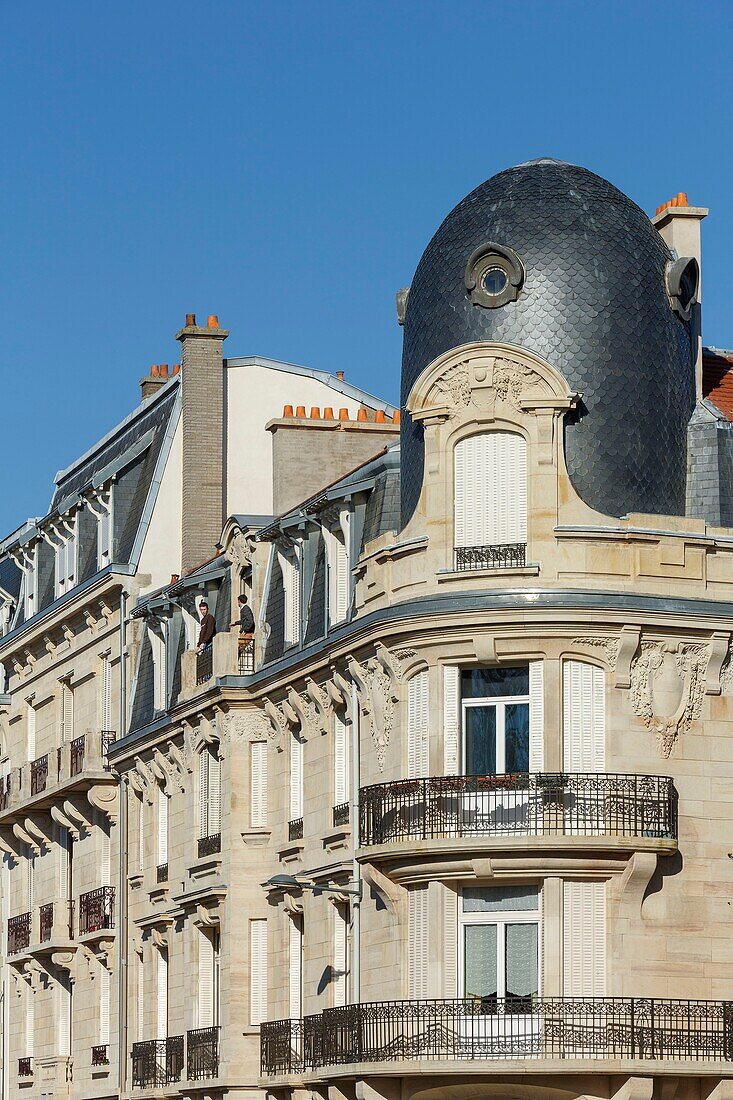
x,y
292,852
531,569
257,838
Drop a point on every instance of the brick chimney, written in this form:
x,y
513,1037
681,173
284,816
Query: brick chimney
x,y
202,388
156,379
678,223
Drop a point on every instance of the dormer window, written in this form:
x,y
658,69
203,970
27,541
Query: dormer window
x,y
290,566
339,571
30,581
490,471
64,540
104,529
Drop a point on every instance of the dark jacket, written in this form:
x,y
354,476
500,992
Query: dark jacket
x,y
246,620
208,629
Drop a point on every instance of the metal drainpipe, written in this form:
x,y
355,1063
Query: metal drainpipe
x,y
356,869
4,1005
122,890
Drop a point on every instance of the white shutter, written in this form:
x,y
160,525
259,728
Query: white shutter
x,y
296,778
584,717
204,759
106,707
106,863
104,987
290,567
64,1016
206,981
63,849
141,832
30,871
340,760
140,998
214,794
67,712
536,716
258,784
31,718
584,939
451,718
162,1003
418,740
296,966
257,971
342,580
490,472
450,941
162,826
29,1022
417,943
340,962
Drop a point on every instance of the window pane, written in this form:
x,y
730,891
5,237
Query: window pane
x,y
516,737
495,899
479,965
521,960
480,740
480,683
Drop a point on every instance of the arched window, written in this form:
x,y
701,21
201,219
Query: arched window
x,y
490,500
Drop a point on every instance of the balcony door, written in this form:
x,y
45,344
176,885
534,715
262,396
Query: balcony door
x,y
499,961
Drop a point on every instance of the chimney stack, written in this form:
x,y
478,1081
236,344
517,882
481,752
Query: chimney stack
x,y
202,390
678,224
156,379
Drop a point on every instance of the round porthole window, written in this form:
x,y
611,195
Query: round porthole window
x,y
494,275
494,281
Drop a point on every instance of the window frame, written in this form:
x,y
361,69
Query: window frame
x,y
501,918
501,702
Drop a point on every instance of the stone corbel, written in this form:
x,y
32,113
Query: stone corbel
x,y
290,714
65,960
295,703
390,894
719,648
147,778
103,951
635,1088
134,780
177,757
26,838
76,810
170,775
339,691
34,973
293,904
548,411
634,883
277,724
104,799
159,938
6,843
65,822
206,918
320,701
630,638
39,835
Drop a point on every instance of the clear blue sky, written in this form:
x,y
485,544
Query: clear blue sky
x,y
285,164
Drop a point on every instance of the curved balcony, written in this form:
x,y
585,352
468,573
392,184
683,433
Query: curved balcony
x,y
538,810
475,1029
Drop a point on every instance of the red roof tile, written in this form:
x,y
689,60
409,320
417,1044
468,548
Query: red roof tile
x,y
717,379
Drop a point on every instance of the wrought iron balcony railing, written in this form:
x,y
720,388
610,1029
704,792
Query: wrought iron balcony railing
x,y
341,814
157,1062
526,804
205,665
39,774
202,1054
161,873
25,1067
482,1028
209,845
246,656
19,933
503,555
76,755
108,738
5,789
100,1054
97,910
45,923
295,829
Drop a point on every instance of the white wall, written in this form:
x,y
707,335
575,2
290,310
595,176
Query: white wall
x,y
161,553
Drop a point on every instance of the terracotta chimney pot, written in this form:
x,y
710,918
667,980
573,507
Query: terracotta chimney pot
x,y
300,411
212,321
164,370
315,412
288,410
154,370
362,415
176,368
340,375
396,417
328,413
190,320
343,414
380,418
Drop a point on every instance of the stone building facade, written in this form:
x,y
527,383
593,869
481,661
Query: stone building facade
x,y
457,820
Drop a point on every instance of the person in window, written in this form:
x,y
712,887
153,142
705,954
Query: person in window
x,y
246,621
208,627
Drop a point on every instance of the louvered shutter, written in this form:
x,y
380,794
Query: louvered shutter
x,y
418,742
63,849
257,971
258,784
64,1016
417,943
162,826
214,794
104,989
450,941
296,967
584,939
340,925
67,696
204,760
460,494
584,717
340,760
451,718
296,778
206,981
31,739
106,693
342,580
29,1022
536,716
490,472
30,872
106,862
140,998
162,1002
290,567
141,832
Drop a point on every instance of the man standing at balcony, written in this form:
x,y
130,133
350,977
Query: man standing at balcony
x,y
208,628
246,621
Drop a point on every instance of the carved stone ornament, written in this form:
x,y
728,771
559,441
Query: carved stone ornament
x,y
244,726
667,688
609,648
239,550
454,388
378,681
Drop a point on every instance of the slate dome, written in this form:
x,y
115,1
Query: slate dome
x,y
593,302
